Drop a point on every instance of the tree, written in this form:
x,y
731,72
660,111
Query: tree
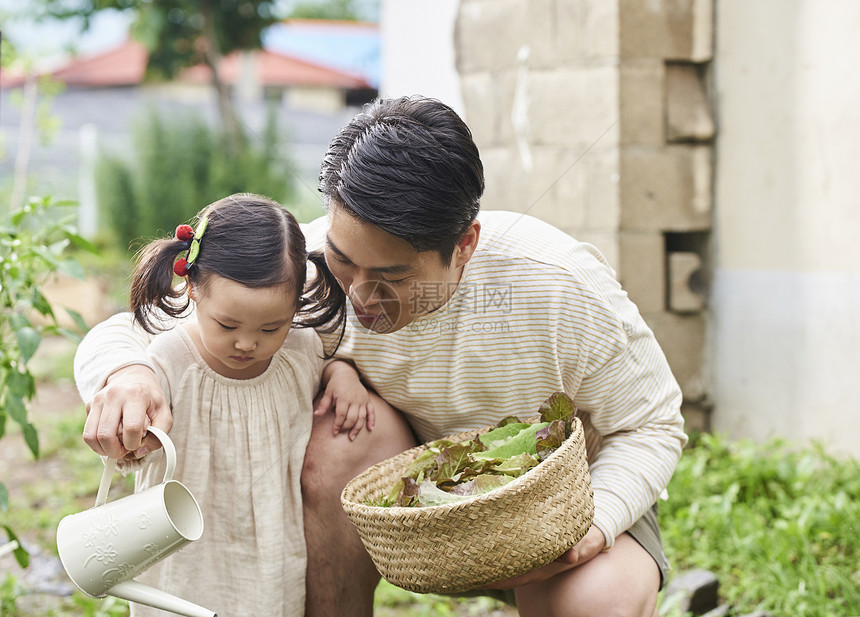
x,y
184,33
344,10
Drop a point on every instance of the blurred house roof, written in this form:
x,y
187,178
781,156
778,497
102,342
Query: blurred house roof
x,y
274,69
348,45
274,65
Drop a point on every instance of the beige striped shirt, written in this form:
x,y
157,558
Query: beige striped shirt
x,y
535,312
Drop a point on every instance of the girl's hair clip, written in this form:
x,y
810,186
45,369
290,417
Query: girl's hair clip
x,y
191,237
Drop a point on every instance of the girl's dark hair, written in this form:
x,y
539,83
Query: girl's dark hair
x,y
410,167
249,239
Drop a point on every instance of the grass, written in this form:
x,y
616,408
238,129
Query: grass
x,y
779,525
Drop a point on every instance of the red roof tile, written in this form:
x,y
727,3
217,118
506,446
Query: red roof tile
x,y
274,69
126,66
122,66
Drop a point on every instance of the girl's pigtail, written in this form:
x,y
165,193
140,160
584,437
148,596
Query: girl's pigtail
x,y
153,294
323,306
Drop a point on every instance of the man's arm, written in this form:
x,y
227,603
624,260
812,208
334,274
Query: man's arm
x,y
120,387
108,347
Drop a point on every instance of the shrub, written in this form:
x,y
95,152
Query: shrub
x,y
177,164
33,243
777,524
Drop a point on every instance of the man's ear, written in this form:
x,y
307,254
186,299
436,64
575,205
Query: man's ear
x,y
467,244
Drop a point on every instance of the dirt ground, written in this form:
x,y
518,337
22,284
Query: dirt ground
x,y
44,582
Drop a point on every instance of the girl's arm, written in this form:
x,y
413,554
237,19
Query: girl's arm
x,y
344,393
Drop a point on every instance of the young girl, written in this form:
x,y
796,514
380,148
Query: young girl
x,y
241,385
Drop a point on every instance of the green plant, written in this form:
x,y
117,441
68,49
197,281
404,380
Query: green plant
x,y
33,243
776,523
97,607
10,590
179,164
409,604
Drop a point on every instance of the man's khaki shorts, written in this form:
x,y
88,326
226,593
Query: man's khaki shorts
x,y
645,531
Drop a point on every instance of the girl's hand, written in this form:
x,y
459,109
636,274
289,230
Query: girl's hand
x,y
348,398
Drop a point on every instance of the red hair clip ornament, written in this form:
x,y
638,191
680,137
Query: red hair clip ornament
x,y
191,237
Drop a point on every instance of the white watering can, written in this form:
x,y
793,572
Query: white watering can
x,y
105,547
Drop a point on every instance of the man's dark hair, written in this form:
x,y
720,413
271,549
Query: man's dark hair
x,y
410,167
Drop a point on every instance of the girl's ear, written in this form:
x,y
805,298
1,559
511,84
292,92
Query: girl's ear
x,y
190,289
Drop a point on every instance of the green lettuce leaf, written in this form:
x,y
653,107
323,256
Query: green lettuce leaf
x,y
431,495
516,465
502,434
447,471
480,484
523,441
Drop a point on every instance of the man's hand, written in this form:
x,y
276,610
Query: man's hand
x,y
120,413
590,545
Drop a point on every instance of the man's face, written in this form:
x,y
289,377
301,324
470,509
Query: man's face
x,y
388,282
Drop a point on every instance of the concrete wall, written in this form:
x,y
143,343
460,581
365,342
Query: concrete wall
x,y
594,116
708,148
418,50
540,85
786,294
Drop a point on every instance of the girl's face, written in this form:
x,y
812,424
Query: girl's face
x,y
240,328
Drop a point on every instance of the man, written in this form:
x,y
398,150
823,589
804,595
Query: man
x,y
457,320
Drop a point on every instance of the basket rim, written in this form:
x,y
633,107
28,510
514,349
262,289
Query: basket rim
x,y
493,494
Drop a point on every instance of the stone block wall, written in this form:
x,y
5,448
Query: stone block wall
x,y
594,115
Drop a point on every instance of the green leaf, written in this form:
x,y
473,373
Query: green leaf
x,y
16,408
28,342
431,495
70,335
81,243
481,484
549,439
452,460
20,384
41,304
559,406
4,498
21,555
19,215
63,203
502,434
78,319
517,465
71,267
422,465
523,441
31,438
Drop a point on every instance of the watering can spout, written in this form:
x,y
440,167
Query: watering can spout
x,y
143,594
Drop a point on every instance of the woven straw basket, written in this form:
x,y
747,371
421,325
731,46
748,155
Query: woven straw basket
x,y
506,532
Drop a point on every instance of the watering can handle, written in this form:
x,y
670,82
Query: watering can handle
x,y
110,465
